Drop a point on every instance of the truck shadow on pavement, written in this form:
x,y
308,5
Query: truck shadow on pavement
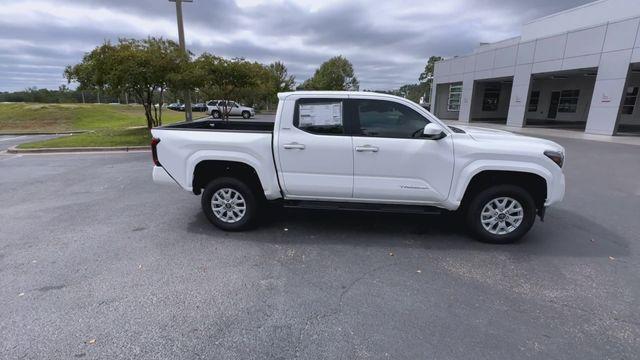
x,y
564,233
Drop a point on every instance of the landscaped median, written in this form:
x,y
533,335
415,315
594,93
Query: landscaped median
x,y
90,127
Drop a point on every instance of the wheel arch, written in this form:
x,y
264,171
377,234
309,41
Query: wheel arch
x,y
534,179
207,170
534,184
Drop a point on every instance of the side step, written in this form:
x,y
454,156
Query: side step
x,y
349,206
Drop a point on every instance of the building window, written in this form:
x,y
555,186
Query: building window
x,y
568,101
491,97
455,94
630,100
534,100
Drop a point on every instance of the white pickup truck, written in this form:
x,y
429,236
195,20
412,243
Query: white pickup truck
x,y
362,151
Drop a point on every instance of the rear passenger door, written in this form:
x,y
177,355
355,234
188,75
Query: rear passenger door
x,y
235,108
315,151
392,160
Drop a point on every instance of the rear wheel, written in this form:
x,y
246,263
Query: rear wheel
x,y
501,214
230,204
246,115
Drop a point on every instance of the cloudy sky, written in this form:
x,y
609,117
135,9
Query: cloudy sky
x,y
388,41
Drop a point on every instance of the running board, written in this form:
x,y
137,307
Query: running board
x,y
349,206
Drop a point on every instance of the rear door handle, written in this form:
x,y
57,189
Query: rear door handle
x,y
367,148
294,145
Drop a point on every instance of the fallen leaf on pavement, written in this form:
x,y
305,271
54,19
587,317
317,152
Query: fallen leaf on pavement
x,y
91,342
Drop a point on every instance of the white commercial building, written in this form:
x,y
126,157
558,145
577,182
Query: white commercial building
x,y
578,69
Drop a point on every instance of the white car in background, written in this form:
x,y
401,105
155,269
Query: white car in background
x,y
216,108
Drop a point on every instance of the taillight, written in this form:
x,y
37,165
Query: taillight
x,y
154,150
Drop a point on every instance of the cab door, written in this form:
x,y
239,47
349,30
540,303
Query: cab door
x,y
315,151
393,162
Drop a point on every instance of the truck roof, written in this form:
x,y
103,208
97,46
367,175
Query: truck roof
x,y
284,95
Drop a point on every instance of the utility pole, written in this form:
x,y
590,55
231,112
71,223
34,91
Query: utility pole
x,y
183,47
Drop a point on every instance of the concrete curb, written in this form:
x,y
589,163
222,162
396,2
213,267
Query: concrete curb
x,y
15,150
44,133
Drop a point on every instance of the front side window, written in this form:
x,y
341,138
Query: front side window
x,y
319,116
568,101
381,118
630,98
455,94
491,97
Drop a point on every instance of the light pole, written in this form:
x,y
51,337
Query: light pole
x,y
183,47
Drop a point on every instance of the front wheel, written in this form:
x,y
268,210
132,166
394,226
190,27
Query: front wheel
x,y
246,115
230,204
215,114
501,214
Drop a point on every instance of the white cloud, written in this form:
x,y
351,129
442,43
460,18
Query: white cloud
x,y
388,41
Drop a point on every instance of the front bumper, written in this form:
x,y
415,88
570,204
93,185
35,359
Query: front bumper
x,y
555,190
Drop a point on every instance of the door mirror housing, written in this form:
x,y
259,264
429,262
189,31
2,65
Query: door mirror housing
x,y
433,132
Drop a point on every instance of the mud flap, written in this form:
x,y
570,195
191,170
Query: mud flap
x,y
541,213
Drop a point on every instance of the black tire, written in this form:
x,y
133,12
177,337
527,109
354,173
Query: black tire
x,y
246,115
484,197
215,114
247,221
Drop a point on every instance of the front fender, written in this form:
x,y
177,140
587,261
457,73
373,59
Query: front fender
x,y
472,169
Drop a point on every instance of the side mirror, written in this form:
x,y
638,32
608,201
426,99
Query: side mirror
x,y
433,132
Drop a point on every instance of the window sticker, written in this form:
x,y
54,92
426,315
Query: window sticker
x,y
321,114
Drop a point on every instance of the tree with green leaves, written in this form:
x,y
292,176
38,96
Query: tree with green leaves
x,y
427,74
278,80
226,79
334,74
144,68
426,77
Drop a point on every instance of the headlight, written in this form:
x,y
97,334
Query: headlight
x,y
555,156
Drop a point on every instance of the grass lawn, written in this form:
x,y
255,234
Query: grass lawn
x,y
109,125
100,138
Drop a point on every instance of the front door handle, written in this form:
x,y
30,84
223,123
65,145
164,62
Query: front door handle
x,y
292,146
367,148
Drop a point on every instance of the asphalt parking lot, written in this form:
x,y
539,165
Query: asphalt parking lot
x,y
98,262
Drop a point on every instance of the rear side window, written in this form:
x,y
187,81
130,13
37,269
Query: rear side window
x,y
320,116
382,118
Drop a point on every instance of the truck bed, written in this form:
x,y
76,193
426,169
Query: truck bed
x,y
221,125
182,146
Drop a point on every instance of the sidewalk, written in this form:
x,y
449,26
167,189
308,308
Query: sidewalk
x,y
542,132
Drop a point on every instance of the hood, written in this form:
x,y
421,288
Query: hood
x,y
486,134
479,132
